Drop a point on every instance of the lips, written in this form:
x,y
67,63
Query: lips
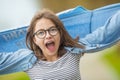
x,y
50,46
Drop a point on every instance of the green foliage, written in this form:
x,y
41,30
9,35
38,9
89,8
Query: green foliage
x,y
15,76
112,57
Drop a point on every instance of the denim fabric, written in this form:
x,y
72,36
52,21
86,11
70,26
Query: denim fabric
x,y
20,60
81,22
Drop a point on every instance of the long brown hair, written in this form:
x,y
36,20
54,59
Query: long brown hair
x,y
66,39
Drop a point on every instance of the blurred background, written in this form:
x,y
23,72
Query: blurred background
x,y
104,65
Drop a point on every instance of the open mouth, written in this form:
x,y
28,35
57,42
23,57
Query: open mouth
x,y
50,45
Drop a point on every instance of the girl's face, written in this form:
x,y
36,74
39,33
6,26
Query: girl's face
x,y
47,37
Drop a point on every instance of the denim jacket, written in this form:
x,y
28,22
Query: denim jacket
x,y
101,38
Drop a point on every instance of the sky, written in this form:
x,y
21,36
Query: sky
x,y
16,13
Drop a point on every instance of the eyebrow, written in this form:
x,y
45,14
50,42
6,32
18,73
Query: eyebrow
x,y
46,29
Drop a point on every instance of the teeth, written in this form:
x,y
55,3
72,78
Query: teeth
x,y
50,42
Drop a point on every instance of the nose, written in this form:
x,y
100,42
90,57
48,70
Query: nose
x,y
48,35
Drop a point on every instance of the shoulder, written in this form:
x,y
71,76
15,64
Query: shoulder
x,y
72,54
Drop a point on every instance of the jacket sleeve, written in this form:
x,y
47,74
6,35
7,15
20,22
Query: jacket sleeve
x,y
16,61
104,36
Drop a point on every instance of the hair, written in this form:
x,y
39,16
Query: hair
x,y
65,39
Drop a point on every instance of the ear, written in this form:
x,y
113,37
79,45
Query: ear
x,y
35,40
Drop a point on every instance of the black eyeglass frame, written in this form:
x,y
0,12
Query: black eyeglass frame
x,y
47,30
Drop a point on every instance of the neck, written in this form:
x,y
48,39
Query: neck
x,y
51,58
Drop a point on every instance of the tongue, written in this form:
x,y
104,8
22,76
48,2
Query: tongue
x,y
51,47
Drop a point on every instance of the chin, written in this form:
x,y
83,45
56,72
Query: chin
x,y
52,53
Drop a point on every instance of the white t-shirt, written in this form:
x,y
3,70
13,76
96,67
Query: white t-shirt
x,y
65,68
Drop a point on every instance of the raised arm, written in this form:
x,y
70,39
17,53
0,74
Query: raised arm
x,y
16,61
105,36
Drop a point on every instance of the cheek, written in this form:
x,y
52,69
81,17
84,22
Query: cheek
x,y
39,43
58,40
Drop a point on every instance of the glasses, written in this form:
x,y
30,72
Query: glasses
x,y
42,33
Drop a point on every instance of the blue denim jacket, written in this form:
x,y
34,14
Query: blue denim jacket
x,y
101,38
